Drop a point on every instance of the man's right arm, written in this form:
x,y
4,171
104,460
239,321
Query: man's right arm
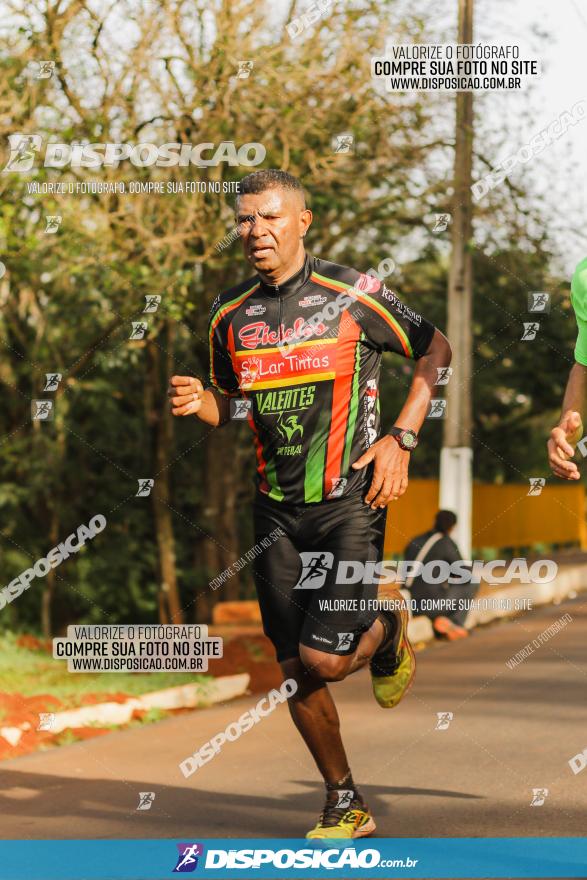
x,y
188,397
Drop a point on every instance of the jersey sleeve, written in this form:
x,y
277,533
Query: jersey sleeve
x,y
579,303
221,374
388,323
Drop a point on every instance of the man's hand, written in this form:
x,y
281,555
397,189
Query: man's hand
x,y
185,394
390,476
561,446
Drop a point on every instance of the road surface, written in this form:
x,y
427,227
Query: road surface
x,y
512,731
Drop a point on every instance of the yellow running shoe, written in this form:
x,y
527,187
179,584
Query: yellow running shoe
x,y
348,821
393,666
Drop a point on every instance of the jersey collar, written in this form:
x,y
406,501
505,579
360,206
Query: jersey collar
x,y
293,284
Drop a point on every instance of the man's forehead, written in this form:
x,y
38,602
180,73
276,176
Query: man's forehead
x,y
271,201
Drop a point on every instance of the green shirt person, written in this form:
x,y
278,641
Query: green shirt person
x,y
565,436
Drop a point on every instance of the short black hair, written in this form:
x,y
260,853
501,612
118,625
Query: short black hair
x,y
260,181
445,520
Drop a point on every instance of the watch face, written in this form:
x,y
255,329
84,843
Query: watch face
x,y
409,439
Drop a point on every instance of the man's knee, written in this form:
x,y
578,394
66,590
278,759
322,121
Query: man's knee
x,y
307,684
325,667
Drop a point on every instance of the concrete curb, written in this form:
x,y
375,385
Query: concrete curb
x,y
186,696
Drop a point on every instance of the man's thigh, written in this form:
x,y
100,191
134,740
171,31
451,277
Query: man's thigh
x,y
277,570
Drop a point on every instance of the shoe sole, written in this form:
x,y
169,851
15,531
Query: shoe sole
x,y
405,617
405,620
366,829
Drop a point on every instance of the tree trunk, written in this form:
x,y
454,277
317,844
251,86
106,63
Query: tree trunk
x,y
219,547
160,419
50,578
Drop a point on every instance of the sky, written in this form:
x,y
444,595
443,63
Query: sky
x,y
555,33
560,173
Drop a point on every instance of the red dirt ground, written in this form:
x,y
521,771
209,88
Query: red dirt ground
x,y
252,653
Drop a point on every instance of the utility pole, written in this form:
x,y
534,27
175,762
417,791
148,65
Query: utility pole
x,y
456,459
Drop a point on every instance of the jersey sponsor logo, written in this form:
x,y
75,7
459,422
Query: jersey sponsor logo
x,y
288,428
314,300
258,309
259,369
370,408
404,310
285,400
260,333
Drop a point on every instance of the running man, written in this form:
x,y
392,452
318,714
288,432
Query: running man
x,y
565,436
307,337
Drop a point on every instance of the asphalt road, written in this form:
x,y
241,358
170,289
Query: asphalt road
x,y
513,730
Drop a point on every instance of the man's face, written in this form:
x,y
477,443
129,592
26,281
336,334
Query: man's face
x,y
272,224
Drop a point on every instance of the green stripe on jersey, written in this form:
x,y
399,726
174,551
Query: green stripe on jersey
x,y
271,475
315,463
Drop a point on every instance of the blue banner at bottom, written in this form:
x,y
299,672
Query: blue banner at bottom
x,y
227,859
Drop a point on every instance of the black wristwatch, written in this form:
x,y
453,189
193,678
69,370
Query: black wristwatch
x,y
407,439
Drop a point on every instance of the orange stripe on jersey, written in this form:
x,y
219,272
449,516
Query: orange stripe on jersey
x,y
222,311
348,336
362,297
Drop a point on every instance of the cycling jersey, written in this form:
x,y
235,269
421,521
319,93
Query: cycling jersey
x,y
579,302
306,354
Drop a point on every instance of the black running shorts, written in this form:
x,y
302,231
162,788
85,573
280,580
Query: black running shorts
x,y
302,570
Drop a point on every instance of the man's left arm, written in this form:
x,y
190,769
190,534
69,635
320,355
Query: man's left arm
x,y
403,331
